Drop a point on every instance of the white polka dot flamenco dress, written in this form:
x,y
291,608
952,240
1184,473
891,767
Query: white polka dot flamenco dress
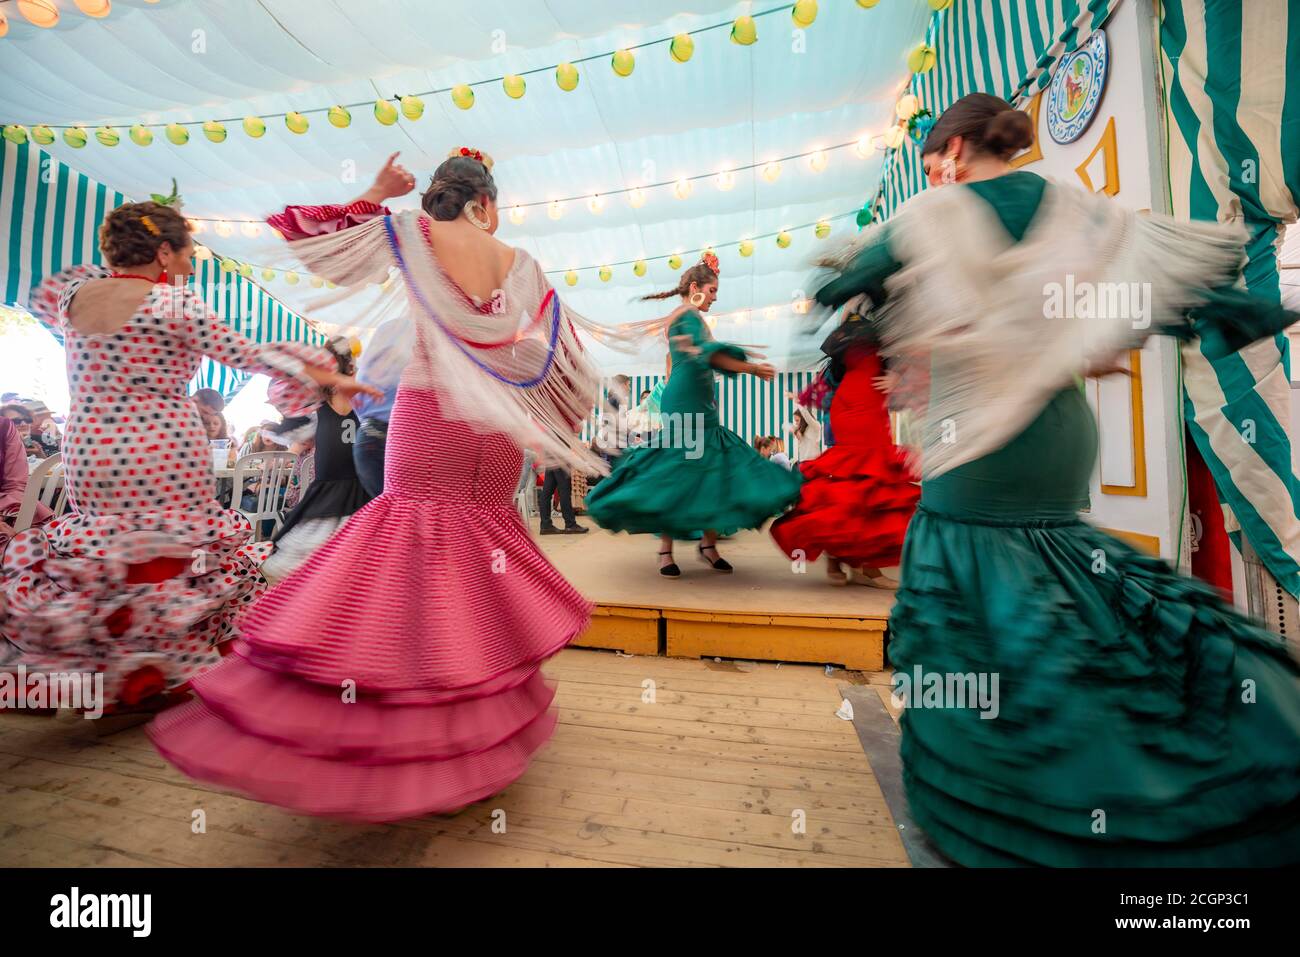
x,y
146,577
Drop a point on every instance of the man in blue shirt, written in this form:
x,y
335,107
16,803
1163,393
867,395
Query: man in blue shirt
x,y
381,366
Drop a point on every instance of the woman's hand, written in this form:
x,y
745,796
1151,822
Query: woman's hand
x,y
886,383
348,387
393,179
762,370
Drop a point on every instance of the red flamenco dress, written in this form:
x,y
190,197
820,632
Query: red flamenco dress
x,y
859,495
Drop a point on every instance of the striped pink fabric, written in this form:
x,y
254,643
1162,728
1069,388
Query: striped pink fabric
x,y
434,604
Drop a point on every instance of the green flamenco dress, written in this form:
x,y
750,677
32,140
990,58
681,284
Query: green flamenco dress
x,y
1140,720
695,474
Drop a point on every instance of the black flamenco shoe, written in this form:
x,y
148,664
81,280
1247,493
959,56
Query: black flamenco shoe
x,y
721,565
670,570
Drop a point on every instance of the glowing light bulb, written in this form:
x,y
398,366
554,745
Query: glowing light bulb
x,y
771,171
726,180
817,161
683,188
894,137
251,229
518,214
197,226
907,105
636,198
224,229
202,253
555,209
864,147
770,312
596,204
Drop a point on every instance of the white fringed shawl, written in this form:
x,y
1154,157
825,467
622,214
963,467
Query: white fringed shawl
x,y
534,382
969,311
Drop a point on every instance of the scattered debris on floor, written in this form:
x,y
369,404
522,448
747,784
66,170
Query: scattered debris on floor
x,y
846,710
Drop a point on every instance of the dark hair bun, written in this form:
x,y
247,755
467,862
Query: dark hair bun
x,y
1008,133
131,234
457,181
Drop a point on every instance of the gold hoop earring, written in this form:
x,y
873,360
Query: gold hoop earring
x,y
479,219
697,299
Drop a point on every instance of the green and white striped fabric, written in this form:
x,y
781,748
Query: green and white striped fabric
x,y
1004,47
52,215
1231,74
746,404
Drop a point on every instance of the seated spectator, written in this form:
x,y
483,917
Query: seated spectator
x,y
13,481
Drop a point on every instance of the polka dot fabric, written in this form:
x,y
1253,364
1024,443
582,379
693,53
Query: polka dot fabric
x,y
141,489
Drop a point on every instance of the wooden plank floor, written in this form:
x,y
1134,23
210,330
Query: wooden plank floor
x,y
620,569
710,774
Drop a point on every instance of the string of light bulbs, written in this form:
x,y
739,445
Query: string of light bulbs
x,y
818,158
784,238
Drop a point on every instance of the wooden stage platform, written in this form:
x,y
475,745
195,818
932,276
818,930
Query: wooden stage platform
x,y
656,762
767,610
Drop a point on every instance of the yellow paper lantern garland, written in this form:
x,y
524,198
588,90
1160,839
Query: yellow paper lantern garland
x,y
681,47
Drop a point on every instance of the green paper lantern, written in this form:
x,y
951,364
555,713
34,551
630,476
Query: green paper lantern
x,y
140,135
605,273
744,31
674,262
640,267
268,275
385,112
317,282
107,136
16,133
566,77
296,122
783,239
682,47
254,126
229,265
214,131
291,278
746,248
940,4
42,134
75,136
804,13
246,271
514,85
177,134
571,278
822,230
340,117
865,216
867,4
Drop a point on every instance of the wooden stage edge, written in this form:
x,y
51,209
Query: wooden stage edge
x,y
765,611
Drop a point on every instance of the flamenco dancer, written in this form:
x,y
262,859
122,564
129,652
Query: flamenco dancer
x,y
1124,735
858,495
144,580
697,479
336,492
397,672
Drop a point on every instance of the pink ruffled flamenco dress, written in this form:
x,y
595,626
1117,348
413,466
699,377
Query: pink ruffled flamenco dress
x,y
397,672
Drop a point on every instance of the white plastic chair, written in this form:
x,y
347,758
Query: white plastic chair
x,y
272,471
526,490
45,485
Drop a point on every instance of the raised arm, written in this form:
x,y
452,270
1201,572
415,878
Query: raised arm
x,y
688,334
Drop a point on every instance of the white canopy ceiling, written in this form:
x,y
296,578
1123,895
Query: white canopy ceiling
x,y
729,106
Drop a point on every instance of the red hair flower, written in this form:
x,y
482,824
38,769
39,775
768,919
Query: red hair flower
x,y
710,260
